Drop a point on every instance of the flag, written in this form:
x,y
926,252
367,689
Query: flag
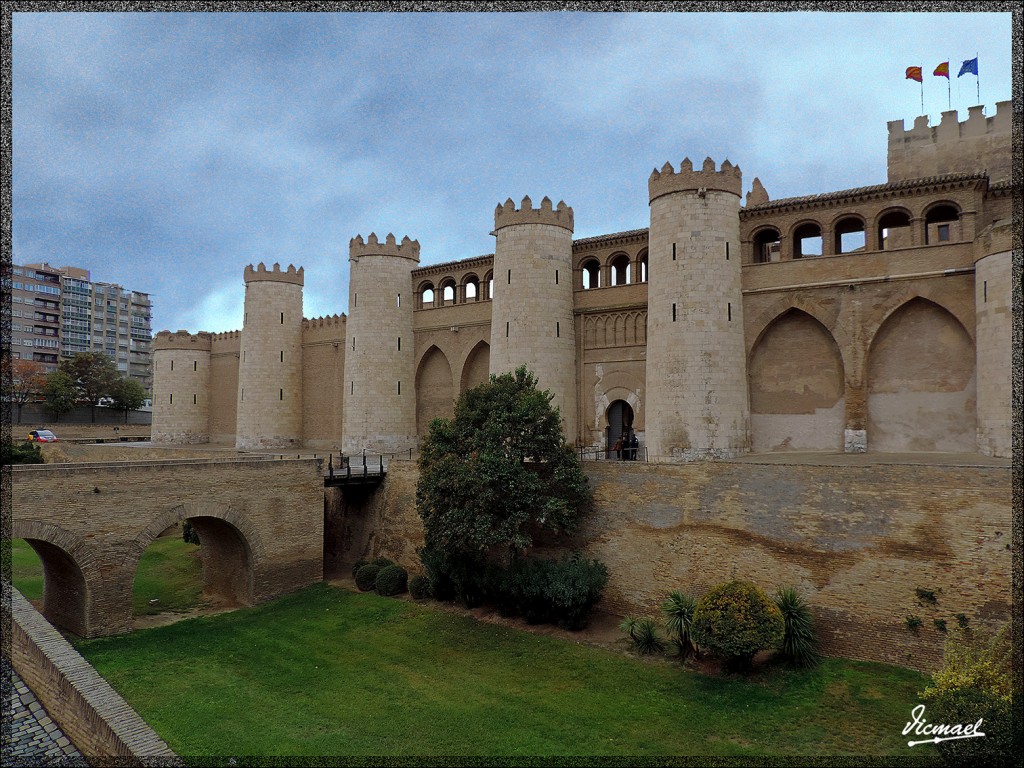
x,y
942,70
969,67
914,73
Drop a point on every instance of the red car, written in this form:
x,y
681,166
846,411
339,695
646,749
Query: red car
x,y
42,436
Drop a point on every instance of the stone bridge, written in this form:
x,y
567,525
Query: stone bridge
x,y
260,523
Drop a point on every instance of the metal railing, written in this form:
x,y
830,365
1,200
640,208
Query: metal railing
x,y
607,454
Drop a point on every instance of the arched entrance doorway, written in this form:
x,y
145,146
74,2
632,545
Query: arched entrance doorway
x,y
619,430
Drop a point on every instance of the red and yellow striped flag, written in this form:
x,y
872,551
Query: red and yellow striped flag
x,y
942,70
914,73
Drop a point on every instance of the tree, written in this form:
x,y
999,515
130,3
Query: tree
x,y
736,620
94,374
27,379
128,395
498,470
60,393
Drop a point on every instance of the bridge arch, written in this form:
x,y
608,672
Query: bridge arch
x,y
231,549
68,578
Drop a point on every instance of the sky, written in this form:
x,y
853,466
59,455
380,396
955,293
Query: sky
x,y
167,151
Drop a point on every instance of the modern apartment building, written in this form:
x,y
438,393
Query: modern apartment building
x,y
63,312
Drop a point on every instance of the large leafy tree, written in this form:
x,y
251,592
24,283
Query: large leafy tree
x,y
60,393
498,471
128,395
27,379
94,374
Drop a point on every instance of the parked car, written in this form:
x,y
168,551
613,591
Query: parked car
x,y
42,436
105,402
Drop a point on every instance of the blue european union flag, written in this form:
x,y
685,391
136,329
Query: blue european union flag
x,y
969,67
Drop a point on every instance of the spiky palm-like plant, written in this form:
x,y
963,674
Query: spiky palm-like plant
x,y
678,609
800,643
644,635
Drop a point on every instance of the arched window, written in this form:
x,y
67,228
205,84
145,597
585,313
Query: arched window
x,y
620,269
448,292
489,282
472,289
942,224
850,235
643,267
894,230
427,296
807,240
591,274
767,246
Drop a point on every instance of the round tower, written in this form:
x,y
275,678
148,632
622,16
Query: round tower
x,y
379,411
993,295
181,388
531,314
270,363
697,405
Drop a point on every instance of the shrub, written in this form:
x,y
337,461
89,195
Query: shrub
x,y
736,620
552,591
23,453
800,642
382,562
359,564
940,624
391,580
976,682
926,595
644,635
366,577
188,533
420,588
913,623
678,609
455,577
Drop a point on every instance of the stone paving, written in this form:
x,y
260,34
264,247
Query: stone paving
x,y
34,738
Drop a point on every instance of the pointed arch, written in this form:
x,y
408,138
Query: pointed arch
x,y
796,384
475,371
435,396
921,381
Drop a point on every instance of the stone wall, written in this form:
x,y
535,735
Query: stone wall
x,y
857,540
87,709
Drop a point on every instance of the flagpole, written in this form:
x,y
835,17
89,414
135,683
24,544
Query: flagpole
x,y
949,88
922,93
977,77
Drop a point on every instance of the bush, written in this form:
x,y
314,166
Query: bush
x,y
24,453
559,592
391,580
188,533
366,577
382,562
736,620
359,564
800,642
678,609
420,588
969,705
455,577
644,635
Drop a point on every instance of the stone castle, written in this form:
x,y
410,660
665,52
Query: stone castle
x,y
868,319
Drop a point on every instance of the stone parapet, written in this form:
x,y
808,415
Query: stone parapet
x,y
182,340
407,249
260,273
667,181
507,215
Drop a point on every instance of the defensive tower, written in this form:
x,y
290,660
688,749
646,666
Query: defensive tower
x,y
993,296
270,367
532,309
181,390
380,367
696,365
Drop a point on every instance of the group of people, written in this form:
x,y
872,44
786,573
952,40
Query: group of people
x,y
626,446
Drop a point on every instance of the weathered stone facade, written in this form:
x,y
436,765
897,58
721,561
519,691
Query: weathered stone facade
x,y
875,318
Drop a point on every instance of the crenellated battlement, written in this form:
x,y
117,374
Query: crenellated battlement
x,y
978,143
326,321
326,328
757,195
227,336
666,181
560,216
261,273
182,340
407,249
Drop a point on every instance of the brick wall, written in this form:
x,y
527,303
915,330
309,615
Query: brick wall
x,y
88,710
856,540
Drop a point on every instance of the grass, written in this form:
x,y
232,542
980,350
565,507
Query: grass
x,y
169,570
329,672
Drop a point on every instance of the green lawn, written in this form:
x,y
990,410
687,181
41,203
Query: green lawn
x,y
329,672
169,570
